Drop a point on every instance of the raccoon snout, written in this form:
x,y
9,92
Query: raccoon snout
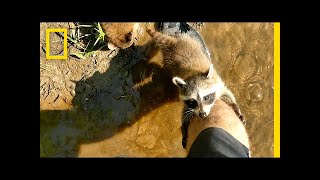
x,y
203,115
128,37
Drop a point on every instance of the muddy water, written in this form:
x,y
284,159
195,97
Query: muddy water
x,y
243,55
130,109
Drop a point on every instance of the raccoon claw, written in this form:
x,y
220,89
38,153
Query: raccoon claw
x,y
243,120
113,53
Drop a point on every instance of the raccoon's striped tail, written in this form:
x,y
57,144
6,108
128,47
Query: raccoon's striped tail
x,y
162,40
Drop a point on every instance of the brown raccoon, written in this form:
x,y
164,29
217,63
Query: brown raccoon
x,y
193,73
119,35
182,55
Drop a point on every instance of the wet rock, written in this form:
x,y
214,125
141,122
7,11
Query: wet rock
x,y
148,128
161,150
146,141
254,92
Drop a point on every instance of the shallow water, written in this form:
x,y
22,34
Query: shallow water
x,y
243,55
130,109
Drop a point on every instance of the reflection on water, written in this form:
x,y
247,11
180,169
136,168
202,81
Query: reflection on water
x,y
132,109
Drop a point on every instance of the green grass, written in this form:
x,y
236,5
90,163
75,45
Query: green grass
x,y
89,42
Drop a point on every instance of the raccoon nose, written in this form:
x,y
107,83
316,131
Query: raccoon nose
x,y
203,115
128,37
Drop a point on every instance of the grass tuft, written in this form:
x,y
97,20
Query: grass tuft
x,y
83,42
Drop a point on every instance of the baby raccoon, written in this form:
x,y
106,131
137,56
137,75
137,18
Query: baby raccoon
x,y
188,60
119,35
193,73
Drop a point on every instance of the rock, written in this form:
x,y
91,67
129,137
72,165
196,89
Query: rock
x,y
254,92
146,141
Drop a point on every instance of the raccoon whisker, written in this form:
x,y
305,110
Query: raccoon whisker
x,y
185,119
188,117
188,112
189,109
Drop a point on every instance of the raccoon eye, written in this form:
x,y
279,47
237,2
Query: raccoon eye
x,y
191,103
209,97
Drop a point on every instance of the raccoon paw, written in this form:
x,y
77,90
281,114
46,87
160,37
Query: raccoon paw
x,y
238,113
227,98
243,120
113,53
184,143
184,131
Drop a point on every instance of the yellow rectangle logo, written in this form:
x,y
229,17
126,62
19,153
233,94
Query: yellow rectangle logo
x,y
65,50
277,89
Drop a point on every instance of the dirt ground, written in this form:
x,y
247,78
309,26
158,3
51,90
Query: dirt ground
x,y
120,106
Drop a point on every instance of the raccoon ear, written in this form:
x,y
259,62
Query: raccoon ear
x,y
179,82
210,73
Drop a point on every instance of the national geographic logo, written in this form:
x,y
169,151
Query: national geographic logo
x,y
65,50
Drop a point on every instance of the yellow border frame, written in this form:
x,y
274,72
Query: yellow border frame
x,y
65,50
276,150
